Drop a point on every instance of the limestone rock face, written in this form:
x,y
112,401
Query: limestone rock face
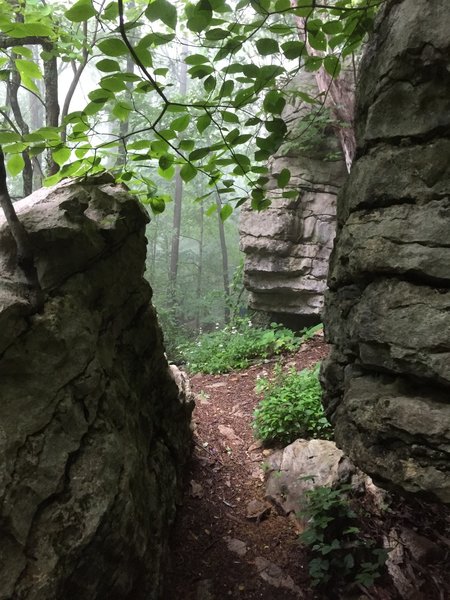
x,y
94,431
287,246
388,309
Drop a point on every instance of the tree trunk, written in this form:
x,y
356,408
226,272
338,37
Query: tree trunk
x,y
339,93
78,71
175,246
51,101
224,253
200,268
25,254
175,250
13,88
36,108
125,125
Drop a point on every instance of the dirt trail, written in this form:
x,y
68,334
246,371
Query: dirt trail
x,y
229,543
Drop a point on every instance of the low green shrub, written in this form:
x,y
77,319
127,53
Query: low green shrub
x,y
291,407
341,555
236,346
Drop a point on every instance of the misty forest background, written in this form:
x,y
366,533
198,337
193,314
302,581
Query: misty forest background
x,y
184,103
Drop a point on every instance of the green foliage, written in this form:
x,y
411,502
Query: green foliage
x,y
341,553
291,407
243,53
236,346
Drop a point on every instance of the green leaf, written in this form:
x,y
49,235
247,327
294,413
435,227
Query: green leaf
x,y
332,27
188,172
274,102
112,47
313,63
157,205
337,40
225,212
164,11
111,12
216,35
211,210
107,65
8,137
283,178
181,123
15,165
165,162
251,71
122,110
187,145
80,11
27,68
61,155
48,133
113,83
100,96
317,40
229,117
203,123
23,51
200,71
266,46
209,84
32,29
227,88
167,174
199,153
303,12
293,50
199,16
260,203
332,65
196,59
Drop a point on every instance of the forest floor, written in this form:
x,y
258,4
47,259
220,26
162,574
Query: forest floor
x,y
228,542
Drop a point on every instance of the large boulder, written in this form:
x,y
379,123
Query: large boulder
x,y
303,466
287,246
94,431
388,309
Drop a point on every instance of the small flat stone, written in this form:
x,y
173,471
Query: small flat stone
x,y
273,575
196,489
237,546
257,510
229,434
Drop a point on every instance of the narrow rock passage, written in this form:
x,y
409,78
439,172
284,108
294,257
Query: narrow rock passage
x,y
228,541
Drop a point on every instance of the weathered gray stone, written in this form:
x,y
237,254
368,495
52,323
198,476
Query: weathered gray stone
x,y
302,466
387,315
275,576
94,431
288,245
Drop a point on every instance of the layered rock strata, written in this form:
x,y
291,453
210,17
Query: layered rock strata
x,y
94,431
287,246
388,309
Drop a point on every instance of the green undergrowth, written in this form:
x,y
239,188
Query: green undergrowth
x,y
342,554
290,407
237,346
